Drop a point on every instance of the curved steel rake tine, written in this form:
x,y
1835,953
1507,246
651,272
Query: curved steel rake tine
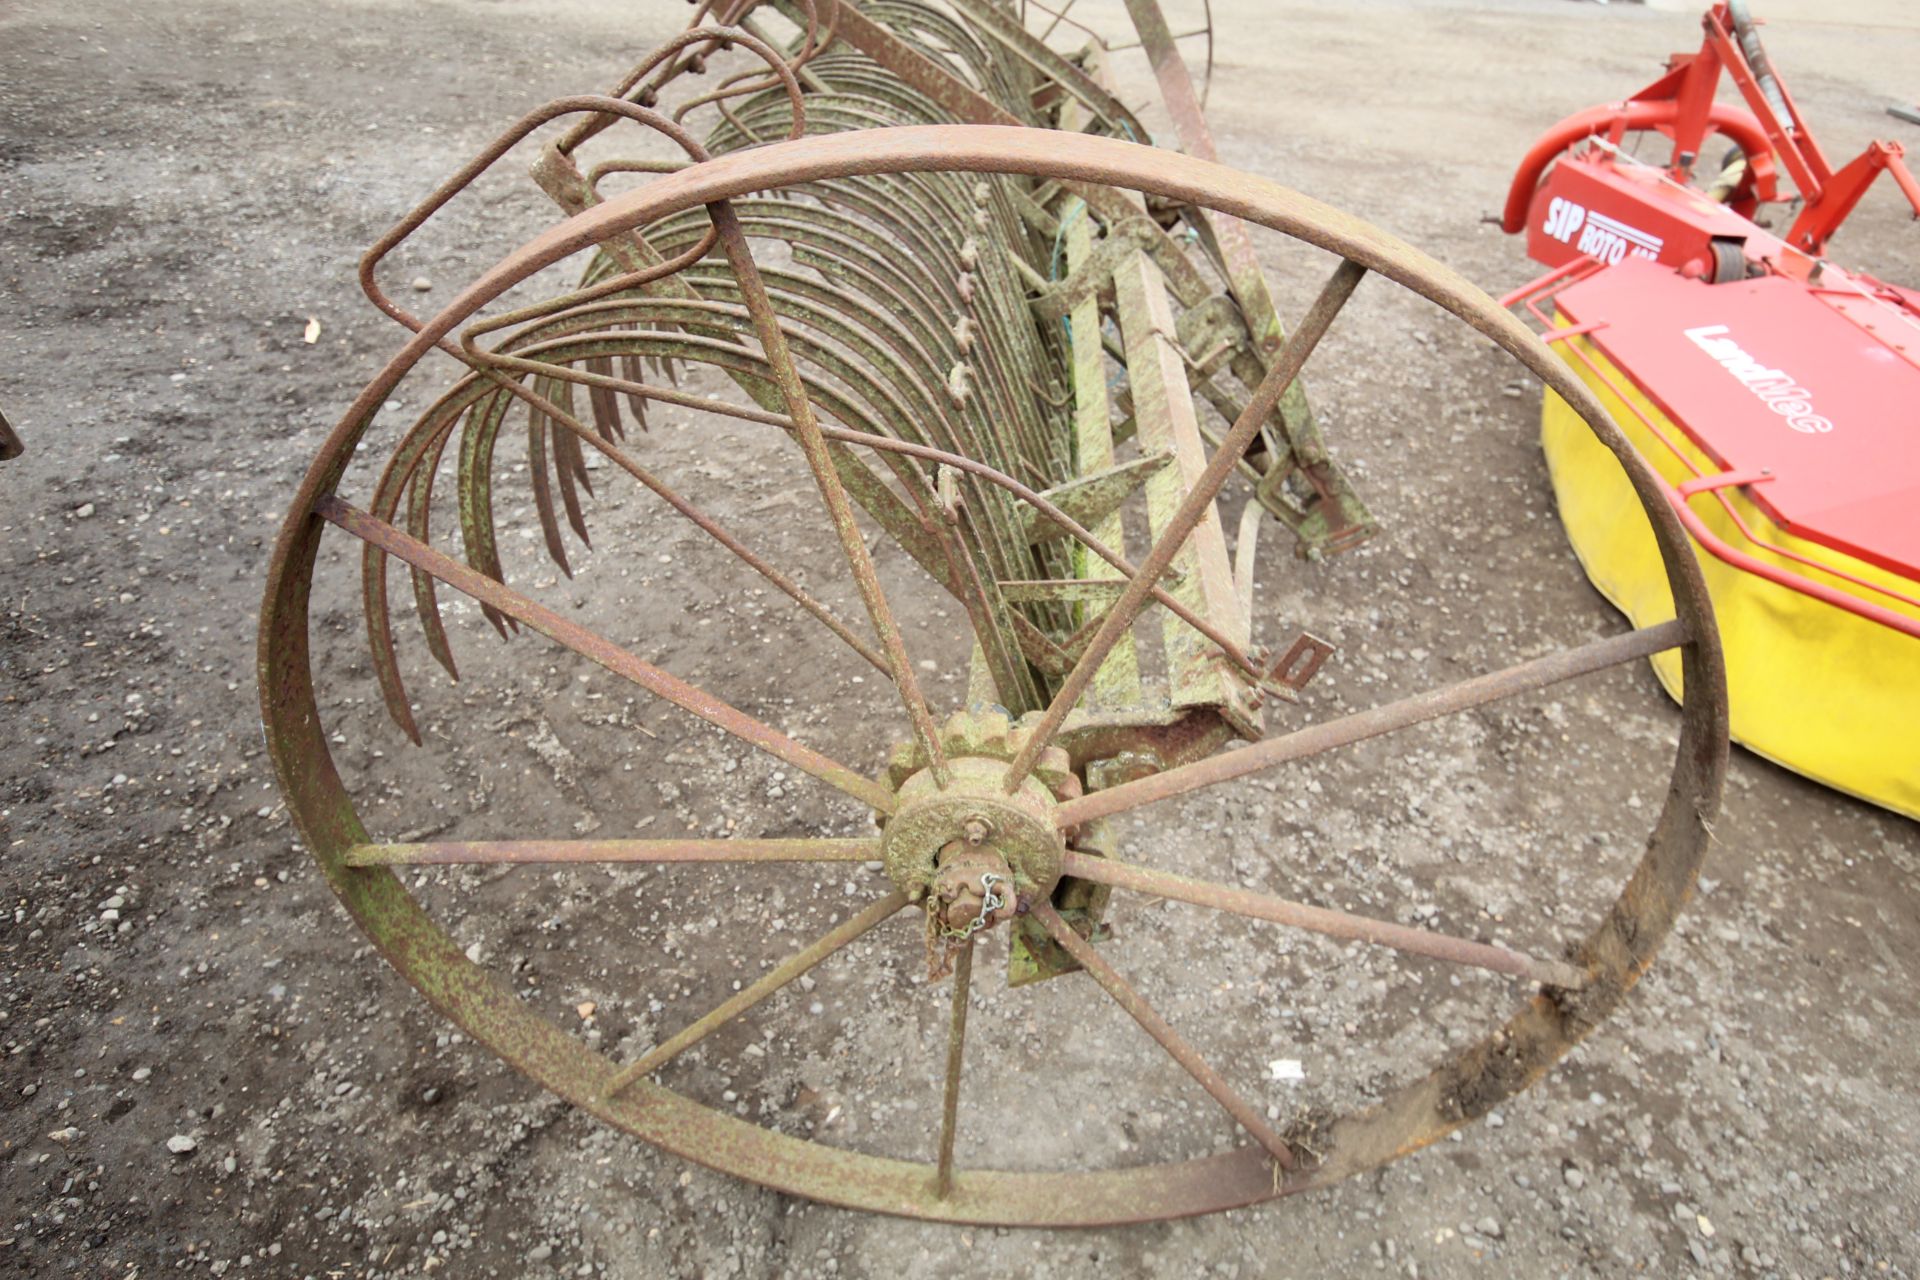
x,y
542,481
395,479
473,486
410,471
426,600
630,368
582,476
606,407
570,468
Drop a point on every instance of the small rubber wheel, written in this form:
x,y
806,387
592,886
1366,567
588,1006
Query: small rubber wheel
x,y
1729,261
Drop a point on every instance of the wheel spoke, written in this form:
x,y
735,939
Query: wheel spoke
x,y
603,651
1193,508
442,853
1156,1026
1314,739
1324,920
779,976
956,1049
773,344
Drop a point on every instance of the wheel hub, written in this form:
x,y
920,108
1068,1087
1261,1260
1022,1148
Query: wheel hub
x,y
941,840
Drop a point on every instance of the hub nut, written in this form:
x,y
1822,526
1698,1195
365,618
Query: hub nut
x,y
972,891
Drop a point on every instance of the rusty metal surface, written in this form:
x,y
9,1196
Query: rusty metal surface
x,y
899,349
1167,422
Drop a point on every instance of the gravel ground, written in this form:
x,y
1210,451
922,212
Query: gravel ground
x,y
204,1066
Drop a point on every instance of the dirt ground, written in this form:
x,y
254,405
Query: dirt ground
x,y
202,1065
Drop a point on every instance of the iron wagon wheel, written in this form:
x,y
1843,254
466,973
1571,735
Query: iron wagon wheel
x,y
1573,996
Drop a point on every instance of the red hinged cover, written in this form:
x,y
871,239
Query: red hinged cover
x,y
1764,373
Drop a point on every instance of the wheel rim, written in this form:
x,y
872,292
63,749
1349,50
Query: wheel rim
x,y
1459,1089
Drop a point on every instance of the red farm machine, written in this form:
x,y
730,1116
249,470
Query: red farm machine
x,y
1775,393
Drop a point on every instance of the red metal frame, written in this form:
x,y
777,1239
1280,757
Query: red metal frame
x,y
1769,131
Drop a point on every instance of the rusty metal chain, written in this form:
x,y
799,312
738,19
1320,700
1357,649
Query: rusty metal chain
x,y
990,902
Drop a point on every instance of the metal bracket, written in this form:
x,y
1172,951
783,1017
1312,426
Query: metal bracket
x,y
1300,663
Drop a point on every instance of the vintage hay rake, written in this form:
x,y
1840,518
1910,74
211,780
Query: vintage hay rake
x,y
1003,333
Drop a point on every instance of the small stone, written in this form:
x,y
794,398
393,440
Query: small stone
x,y
1488,1227
66,1135
1705,1224
180,1144
142,1073
585,1009
230,1164
430,1095
83,512
540,1253
475,951
421,284
1574,1178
